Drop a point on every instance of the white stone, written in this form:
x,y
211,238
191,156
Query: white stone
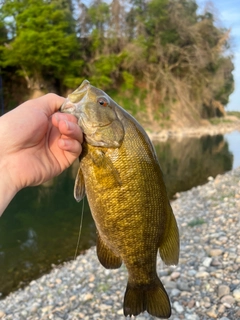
x,y
178,307
236,294
189,316
207,262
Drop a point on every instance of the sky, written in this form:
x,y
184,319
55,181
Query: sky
x,y
228,12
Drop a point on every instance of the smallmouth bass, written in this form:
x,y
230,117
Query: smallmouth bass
x,y
120,174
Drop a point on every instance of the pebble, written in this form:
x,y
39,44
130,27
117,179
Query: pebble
x,y
215,262
183,286
178,307
236,294
204,286
215,252
170,285
207,262
202,274
212,312
175,275
191,316
191,304
223,290
221,309
175,292
237,314
228,300
192,273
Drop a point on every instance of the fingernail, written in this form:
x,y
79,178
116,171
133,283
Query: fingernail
x,y
67,124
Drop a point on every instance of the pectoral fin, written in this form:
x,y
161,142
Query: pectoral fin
x,y
103,162
79,187
105,255
169,245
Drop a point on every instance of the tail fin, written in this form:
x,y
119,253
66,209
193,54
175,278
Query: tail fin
x,y
151,298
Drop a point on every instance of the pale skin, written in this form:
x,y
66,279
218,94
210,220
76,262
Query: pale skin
x,y
37,143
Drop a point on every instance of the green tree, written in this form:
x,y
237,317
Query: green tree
x,y
180,58
42,43
102,52
162,55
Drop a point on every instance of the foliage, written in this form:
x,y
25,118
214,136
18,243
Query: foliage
x,y
39,44
217,121
177,56
234,113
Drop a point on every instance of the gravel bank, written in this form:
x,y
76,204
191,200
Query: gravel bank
x,y
205,284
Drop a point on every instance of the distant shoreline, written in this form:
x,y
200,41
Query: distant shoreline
x,y
180,133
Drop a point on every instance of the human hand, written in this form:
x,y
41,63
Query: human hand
x,y
36,143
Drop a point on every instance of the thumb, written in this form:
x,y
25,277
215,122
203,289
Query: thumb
x,y
48,103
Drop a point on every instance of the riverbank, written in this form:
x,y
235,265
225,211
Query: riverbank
x,y
205,285
224,125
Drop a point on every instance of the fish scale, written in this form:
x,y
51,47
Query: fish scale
x,y
122,179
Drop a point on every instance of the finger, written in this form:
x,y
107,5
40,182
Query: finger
x,y
70,130
49,103
62,116
70,145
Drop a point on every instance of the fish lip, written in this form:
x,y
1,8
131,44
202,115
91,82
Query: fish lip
x,y
67,106
75,99
72,108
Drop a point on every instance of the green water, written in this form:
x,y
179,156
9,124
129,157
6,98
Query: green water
x,y
40,227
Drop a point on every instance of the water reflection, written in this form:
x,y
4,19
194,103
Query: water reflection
x,y
233,140
40,228
31,242
190,161
41,225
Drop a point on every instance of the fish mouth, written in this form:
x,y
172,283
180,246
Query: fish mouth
x,y
68,107
74,98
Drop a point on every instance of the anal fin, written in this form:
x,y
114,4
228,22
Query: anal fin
x,y
169,245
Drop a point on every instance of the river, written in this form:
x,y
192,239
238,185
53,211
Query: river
x,y
40,227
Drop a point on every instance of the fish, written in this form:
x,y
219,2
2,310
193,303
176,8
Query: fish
x,y
120,174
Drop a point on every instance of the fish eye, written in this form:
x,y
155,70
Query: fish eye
x,y
103,102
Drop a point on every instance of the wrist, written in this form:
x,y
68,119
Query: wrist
x,y
7,188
